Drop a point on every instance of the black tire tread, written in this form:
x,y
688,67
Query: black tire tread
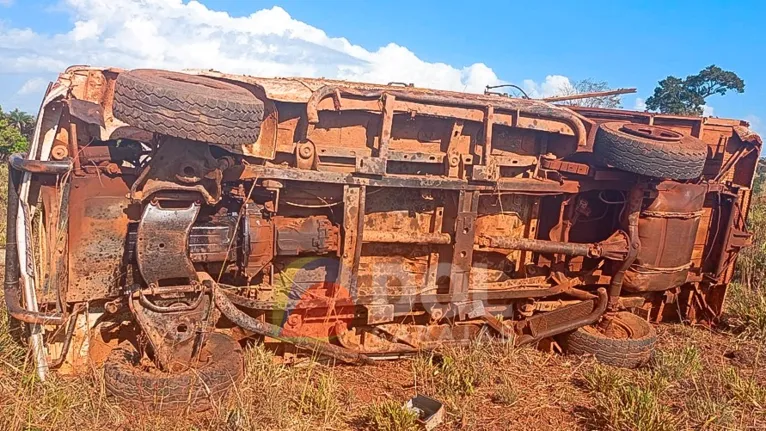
x,y
673,160
624,353
218,117
195,389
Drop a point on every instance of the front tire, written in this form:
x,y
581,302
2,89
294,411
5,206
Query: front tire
x,y
627,342
137,386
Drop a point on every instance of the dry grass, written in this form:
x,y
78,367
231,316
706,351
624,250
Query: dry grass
x,y
390,415
746,312
3,200
684,388
697,380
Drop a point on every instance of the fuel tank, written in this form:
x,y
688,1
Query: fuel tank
x,y
667,228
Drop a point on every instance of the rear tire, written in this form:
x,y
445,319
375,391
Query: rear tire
x,y
188,106
681,158
196,389
630,345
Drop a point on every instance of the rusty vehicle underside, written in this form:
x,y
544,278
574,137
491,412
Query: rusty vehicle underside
x,y
357,221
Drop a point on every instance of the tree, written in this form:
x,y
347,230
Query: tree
x,y
589,86
686,96
11,138
25,123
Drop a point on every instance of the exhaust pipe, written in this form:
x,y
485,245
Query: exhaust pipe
x,y
268,330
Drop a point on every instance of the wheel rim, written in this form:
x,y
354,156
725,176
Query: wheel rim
x,y
652,132
620,326
616,328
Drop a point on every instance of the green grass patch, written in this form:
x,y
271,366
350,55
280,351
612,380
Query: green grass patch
x,y
390,415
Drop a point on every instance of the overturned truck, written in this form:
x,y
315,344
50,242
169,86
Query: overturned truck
x,y
164,218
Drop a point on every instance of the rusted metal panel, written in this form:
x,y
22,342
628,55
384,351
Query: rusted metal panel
x,y
518,185
98,226
667,228
353,230
387,219
315,235
163,241
465,232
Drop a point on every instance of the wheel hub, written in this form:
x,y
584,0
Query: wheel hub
x,y
652,132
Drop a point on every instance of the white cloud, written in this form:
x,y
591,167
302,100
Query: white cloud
x,y
172,34
33,85
640,104
707,111
6,2
756,124
552,86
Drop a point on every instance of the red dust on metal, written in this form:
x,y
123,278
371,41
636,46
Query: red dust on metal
x,y
366,221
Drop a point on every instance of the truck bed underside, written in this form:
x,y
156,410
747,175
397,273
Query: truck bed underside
x,y
381,220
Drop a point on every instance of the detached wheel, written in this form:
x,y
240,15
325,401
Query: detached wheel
x,y
134,384
623,340
649,150
187,106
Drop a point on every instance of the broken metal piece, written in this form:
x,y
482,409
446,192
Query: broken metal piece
x,y
430,412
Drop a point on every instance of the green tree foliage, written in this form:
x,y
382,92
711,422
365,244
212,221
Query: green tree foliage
x,y
22,121
686,96
11,138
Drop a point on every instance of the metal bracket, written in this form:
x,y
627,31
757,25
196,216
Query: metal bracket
x,y
162,243
181,165
490,172
171,322
465,232
306,155
371,165
377,165
737,240
471,309
353,232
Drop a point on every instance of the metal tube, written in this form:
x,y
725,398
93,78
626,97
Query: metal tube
x,y
49,167
594,315
589,95
68,336
540,246
241,319
723,257
406,237
635,200
404,300
11,288
529,107
74,150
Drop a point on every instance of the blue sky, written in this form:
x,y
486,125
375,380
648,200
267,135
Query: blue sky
x,y
456,45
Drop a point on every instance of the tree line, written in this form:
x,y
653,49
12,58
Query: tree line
x,y
673,95
16,129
